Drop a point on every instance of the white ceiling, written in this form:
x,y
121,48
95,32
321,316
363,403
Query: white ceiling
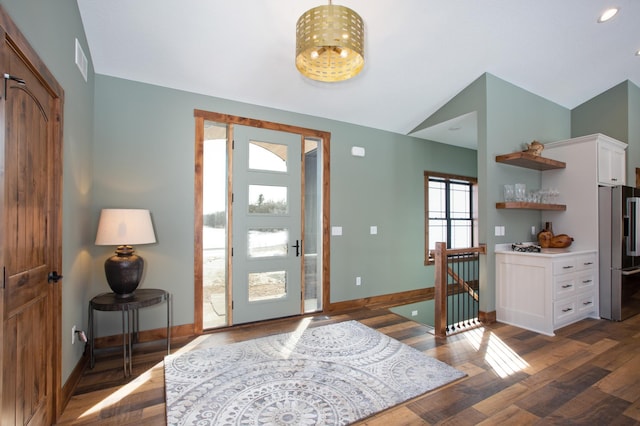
x,y
419,53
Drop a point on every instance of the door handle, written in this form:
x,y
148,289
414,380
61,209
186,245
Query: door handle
x,y
297,246
631,272
54,277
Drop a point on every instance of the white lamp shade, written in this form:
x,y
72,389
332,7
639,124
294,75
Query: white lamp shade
x,y
118,227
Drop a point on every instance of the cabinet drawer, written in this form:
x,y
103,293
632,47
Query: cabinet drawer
x,y
585,281
565,266
564,311
586,304
586,262
564,287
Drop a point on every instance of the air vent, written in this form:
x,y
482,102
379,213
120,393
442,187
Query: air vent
x,y
81,60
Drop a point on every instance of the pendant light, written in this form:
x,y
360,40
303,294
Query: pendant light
x,y
330,43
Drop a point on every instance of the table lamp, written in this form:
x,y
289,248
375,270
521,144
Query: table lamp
x,y
124,228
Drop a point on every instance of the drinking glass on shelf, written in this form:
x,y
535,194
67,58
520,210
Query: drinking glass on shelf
x,y
544,195
509,193
521,191
533,197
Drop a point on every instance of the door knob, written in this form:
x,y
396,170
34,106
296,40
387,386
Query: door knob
x,y
54,277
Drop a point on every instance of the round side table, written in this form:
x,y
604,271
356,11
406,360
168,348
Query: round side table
x,y
129,307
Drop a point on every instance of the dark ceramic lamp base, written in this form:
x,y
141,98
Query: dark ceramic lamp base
x,y
124,271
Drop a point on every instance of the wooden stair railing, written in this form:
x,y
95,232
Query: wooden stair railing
x,y
450,283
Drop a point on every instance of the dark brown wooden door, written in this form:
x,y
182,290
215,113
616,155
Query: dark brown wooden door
x,y
29,242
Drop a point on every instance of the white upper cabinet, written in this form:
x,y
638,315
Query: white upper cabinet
x,y
612,164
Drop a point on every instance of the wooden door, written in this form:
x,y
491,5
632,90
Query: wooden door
x,y
30,237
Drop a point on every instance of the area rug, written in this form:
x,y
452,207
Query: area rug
x,y
328,375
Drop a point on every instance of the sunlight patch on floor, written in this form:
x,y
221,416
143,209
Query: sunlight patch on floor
x,y
191,345
504,360
121,393
295,336
131,387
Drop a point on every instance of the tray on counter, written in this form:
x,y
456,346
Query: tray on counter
x,y
526,248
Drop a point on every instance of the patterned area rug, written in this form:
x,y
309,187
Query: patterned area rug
x,y
329,375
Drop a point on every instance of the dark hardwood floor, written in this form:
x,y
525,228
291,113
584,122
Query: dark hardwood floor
x,y
589,374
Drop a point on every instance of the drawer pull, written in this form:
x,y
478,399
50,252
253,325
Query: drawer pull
x,y
588,263
567,286
567,267
567,310
587,303
586,281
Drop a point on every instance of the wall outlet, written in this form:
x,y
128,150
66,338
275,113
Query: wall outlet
x,y
414,313
73,335
358,280
533,230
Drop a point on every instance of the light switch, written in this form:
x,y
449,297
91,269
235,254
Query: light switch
x,y
373,230
336,230
357,151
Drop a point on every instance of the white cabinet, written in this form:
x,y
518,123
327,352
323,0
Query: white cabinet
x,y
612,165
543,292
590,161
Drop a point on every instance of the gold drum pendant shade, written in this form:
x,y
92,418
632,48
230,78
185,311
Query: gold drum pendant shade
x,y
330,43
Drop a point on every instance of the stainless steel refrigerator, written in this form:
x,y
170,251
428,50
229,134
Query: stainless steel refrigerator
x,y
619,241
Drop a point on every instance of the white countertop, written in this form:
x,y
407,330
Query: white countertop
x,y
546,252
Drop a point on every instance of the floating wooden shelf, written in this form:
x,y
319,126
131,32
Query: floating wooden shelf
x,y
530,161
530,206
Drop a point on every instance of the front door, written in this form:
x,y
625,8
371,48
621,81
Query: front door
x,y
267,224
29,184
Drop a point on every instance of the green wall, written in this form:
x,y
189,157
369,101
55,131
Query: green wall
x,y
51,28
144,154
424,312
508,117
606,113
514,117
615,113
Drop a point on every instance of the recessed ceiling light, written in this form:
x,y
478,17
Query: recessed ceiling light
x,y
608,14
638,53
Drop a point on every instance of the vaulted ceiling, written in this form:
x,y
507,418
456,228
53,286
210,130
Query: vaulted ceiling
x,y
419,53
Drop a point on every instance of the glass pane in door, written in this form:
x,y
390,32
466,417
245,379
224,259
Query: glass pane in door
x,y
267,156
267,242
268,199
